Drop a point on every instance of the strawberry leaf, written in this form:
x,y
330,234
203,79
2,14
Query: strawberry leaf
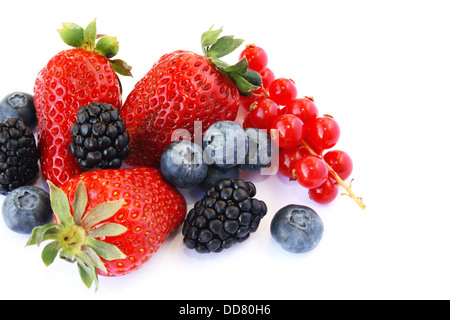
x,y
100,213
209,38
243,84
253,77
79,202
95,259
85,274
60,204
107,46
107,230
50,234
42,231
223,46
220,64
105,250
72,34
87,270
50,252
121,67
240,67
90,34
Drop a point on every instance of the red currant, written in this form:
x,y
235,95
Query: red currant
x,y
304,108
267,76
340,162
317,150
326,192
288,158
247,123
256,57
323,132
246,101
311,171
263,112
287,131
282,91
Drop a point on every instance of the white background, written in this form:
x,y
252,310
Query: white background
x,y
381,68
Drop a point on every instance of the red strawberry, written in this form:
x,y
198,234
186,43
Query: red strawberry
x,y
181,88
111,220
71,79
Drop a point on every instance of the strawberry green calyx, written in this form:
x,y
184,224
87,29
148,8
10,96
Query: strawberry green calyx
x,y
214,48
107,46
75,238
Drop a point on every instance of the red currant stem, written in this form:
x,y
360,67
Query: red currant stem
x,y
264,91
347,188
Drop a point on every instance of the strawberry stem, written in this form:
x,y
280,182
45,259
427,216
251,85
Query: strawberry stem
x,y
75,239
88,39
347,188
214,48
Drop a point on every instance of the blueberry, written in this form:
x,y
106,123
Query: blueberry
x,y
214,175
19,105
225,144
25,208
297,228
259,150
182,164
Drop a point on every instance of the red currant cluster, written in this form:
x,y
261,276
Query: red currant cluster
x,y
303,136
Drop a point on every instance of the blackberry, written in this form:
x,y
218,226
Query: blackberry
x,y
100,138
18,155
226,214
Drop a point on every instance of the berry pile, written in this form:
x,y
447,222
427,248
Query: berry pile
x,y
110,222
296,127
227,147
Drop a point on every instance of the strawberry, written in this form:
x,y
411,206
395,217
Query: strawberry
x,y
181,88
110,221
71,79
